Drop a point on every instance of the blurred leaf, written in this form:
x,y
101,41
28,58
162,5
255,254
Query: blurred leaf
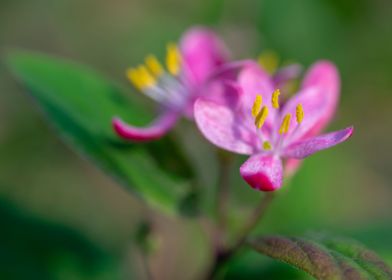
x,y
32,248
325,257
80,104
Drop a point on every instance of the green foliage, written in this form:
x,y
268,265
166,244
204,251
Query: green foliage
x,y
81,104
325,257
32,248
251,265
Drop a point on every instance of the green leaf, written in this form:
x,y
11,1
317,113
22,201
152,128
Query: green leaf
x,y
325,257
249,264
34,248
80,104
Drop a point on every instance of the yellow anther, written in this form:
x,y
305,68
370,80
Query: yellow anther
x,y
134,77
257,105
141,78
284,128
267,146
275,99
147,78
269,60
173,59
154,66
261,117
299,113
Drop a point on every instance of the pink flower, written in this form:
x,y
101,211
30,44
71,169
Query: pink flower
x,y
255,123
177,87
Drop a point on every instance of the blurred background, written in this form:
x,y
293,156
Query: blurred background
x,y
62,218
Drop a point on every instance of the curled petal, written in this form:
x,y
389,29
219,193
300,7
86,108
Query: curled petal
x,y
263,172
202,52
319,97
154,131
305,148
223,126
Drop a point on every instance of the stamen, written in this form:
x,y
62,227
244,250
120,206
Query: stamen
x,y
173,59
261,117
154,66
267,146
257,105
275,99
147,80
141,78
133,76
284,128
299,113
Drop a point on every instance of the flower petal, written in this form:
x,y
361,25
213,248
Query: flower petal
x,y
255,81
291,166
305,148
154,131
263,172
223,126
319,97
202,52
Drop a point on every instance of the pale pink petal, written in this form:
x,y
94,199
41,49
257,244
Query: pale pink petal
x,y
223,126
255,81
202,52
319,97
305,148
291,166
154,131
263,172
224,92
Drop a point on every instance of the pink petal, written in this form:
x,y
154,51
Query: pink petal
x,y
154,131
263,172
202,52
224,92
305,148
319,97
223,126
255,81
291,166
221,91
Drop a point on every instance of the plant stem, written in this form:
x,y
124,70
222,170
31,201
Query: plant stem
x,y
253,219
222,194
146,266
222,256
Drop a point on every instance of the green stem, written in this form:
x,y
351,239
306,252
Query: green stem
x,y
222,195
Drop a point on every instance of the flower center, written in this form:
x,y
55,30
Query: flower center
x,y
164,86
260,114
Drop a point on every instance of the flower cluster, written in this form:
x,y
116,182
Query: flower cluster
x,y
238,106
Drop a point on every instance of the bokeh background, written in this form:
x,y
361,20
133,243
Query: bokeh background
x,y
62,218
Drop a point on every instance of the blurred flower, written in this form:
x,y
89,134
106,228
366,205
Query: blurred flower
x,y
256,123
177,87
